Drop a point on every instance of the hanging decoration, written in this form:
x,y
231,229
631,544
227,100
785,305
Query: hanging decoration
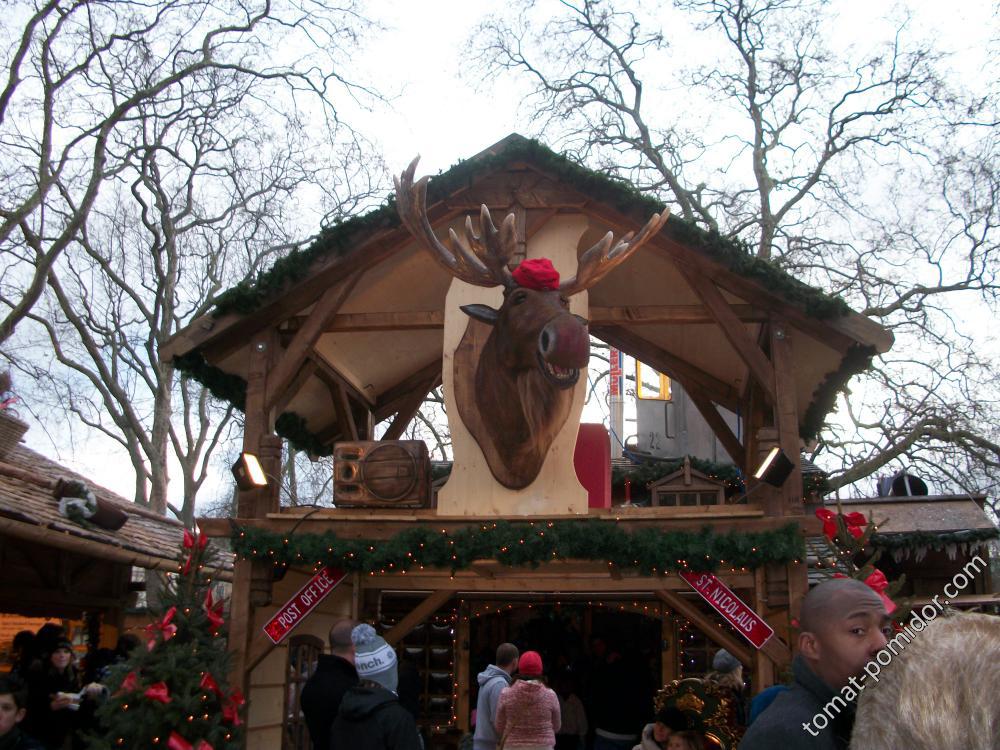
x,y
528,544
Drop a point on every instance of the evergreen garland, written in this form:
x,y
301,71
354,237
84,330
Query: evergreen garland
x,y
935,540
857,359
647,550
343,235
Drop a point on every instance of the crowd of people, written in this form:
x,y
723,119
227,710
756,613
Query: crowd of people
x,y
940,691
47,700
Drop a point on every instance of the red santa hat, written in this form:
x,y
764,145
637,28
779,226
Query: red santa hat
x,y
537,273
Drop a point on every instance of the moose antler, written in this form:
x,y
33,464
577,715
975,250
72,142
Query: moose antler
x,y
480,260
599,260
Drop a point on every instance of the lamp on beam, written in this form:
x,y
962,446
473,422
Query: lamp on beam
x,y
249,473
775,468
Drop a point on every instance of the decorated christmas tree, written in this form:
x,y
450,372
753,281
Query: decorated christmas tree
x,y
172,691
853,556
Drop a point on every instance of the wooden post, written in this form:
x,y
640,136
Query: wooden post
x,y
763,667
463,667
786,415
670,647
256,503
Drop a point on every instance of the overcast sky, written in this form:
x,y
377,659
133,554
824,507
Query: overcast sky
x,y
437,112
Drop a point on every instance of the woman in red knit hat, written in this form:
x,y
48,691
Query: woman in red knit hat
x,y
528,712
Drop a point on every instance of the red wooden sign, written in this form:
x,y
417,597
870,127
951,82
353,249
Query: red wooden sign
x,y
296,608
750,625
615,382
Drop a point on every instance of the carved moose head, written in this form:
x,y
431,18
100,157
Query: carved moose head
x,y
536,348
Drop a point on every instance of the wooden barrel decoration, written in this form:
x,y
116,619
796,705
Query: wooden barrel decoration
x,y
391,473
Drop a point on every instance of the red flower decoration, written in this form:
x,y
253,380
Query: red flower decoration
x,y
176,742
231,708
158,692
164,627
130,683
202,745
855,522
213,611
208,683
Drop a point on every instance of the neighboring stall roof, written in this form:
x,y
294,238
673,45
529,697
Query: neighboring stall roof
x,y
29,511
386,335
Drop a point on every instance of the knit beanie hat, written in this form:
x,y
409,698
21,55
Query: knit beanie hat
x,y
374,659
530,664
725,662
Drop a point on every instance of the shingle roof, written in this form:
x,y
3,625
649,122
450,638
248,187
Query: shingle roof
x,y
32,503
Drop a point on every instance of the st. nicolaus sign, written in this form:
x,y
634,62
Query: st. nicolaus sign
x,y
750,625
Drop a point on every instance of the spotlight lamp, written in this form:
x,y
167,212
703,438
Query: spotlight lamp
x,y
775,468
249,473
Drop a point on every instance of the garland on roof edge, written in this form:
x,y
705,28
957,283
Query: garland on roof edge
x,y
856,360
646,550
934,540
339,238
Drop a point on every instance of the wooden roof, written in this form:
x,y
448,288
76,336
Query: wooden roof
x,y
29,511
934,513
387,334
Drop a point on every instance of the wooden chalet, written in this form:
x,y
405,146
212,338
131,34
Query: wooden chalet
x,y
55,567
354,331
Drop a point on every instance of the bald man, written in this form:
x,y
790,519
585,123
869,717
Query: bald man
x,y
844,625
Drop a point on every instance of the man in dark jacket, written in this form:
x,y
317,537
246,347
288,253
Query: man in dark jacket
x,y
370,716
13,702
334,676
844,625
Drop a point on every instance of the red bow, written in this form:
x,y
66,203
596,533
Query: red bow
x,y
158,692
536,273
164,626
176,742
231,708
213,611
208,683
130,683
191,542
878,583
855,522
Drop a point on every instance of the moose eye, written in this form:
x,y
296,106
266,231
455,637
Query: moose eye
x,y
564,302
518,298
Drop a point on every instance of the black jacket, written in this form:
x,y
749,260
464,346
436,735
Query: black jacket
x,y
371,718
322,694
780,725
15,739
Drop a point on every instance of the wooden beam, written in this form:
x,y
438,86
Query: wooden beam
x,y
786,414
328,373
648,352
291,360
518,584
733,329
408,320
707,626
667,315
345,417
417,615
389,402
409,408
719,425
305,372
260,646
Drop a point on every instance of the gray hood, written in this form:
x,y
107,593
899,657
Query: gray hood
x,y
493,671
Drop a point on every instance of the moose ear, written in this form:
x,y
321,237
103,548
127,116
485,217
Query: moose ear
x,y
483,313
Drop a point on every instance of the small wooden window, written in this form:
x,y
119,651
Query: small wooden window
x,y
303,655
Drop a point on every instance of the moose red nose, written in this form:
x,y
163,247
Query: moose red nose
x,y
564,342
